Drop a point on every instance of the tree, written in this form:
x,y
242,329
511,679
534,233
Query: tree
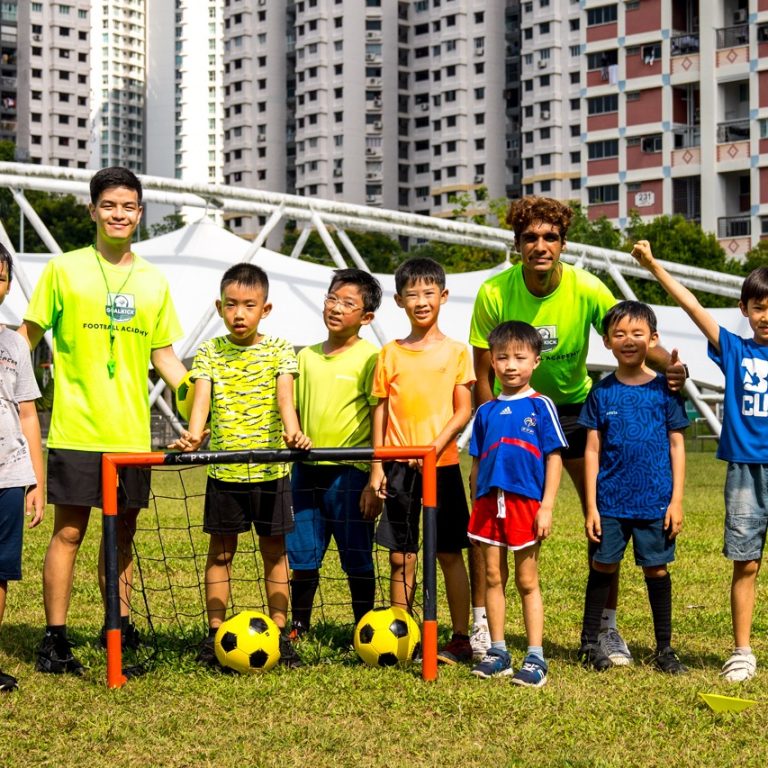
x,y
67,220
674,238
600,233
169,223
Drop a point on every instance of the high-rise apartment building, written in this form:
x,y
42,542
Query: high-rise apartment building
x,y
552,57
185,90
54,83
393,104
675,103
8,70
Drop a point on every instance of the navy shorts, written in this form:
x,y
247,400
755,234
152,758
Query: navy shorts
x,y
74,479
232,508
576,435
652,545
326,502
11,532
399,525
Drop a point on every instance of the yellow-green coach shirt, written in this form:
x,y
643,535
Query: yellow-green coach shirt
x,y
93,411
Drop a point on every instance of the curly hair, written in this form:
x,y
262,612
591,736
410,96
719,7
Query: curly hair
x,y
527,210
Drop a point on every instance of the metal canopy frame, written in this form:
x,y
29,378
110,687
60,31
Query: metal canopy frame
x,y
322,216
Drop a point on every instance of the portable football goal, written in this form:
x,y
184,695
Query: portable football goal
x,y
167,583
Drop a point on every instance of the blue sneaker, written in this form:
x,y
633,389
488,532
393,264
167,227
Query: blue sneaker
x,y
533,673
496,663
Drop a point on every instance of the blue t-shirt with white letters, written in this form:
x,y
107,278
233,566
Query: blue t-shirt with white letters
x,y
635,476
744,362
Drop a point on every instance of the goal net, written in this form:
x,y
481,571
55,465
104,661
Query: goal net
x,y
166,600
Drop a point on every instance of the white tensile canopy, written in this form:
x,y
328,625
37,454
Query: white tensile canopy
x,y
194,258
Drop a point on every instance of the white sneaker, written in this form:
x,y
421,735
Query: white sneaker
x,y
480,640
613,646
739,667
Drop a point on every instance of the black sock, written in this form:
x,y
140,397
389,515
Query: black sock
x,y
660,598
595,598
212,632
362,588
59,631
303,587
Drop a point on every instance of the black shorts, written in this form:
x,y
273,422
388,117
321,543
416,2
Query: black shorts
x,y
398,528
232,508
575,434
74,478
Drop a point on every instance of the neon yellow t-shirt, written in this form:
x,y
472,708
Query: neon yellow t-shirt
x,y
244,412
333,395
420,386
91,410
562,318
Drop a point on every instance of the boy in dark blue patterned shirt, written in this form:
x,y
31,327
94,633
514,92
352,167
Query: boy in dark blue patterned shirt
x,y
634,476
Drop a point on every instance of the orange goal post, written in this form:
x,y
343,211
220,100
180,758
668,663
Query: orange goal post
x,y
112,462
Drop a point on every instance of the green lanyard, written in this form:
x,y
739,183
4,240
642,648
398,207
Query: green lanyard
x,y
111,311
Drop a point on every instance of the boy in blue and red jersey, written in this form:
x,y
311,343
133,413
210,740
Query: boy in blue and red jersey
x,y
516,444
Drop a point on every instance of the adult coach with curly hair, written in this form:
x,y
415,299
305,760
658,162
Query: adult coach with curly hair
x,y
562,302
110,313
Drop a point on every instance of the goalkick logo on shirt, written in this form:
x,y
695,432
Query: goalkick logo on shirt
x,y
120,307
548,335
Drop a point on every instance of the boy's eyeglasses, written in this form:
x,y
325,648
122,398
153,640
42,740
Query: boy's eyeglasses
x,y
347,307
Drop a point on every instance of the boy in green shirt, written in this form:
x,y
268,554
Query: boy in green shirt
x,y
329,499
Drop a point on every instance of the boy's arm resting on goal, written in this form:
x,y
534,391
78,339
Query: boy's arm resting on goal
x,y
682,296
591,467
30,428
191,439
673,520
553,470
292,434
168,366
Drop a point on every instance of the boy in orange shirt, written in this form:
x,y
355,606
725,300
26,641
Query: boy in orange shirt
x,y
423,383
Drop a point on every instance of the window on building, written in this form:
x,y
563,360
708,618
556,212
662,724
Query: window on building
x,y
598,105
605,193
598,150
605,14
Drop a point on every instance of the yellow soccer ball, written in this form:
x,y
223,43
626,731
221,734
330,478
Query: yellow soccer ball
x,y
386,636
248,642
185,395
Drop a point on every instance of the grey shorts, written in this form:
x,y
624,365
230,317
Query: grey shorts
x,y
746,511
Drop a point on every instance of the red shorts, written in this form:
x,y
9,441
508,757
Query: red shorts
x,y
511,525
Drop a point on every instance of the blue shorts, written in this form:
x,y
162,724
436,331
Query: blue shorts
x,y
746,511
326,502
11,532
649,540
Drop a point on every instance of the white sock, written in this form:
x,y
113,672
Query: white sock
x,y
608,619
478,615
744,650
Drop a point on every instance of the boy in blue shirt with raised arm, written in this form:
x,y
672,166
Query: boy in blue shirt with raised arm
x,y
634,472
742,443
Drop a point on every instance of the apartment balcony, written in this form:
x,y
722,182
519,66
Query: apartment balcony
x,y
734,226
684,62
732,46
734,233
733,141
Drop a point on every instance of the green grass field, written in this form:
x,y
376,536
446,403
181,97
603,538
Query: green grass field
x,y
337,712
